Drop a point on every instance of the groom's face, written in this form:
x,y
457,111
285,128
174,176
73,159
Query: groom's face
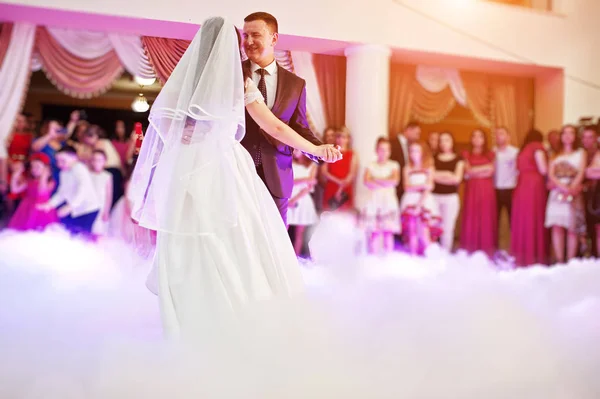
x,y
259,42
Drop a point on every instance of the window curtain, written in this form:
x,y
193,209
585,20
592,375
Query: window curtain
x,y
14,76
130,50
330,72
5,35
409,100
492,100
164,54
304,67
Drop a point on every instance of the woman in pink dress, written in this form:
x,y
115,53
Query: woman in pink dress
x,y
479,220
528,235
123,143
37,189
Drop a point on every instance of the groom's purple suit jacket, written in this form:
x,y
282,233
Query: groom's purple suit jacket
x,y
290,107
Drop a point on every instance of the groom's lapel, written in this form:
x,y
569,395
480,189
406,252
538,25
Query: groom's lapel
x,y
279,95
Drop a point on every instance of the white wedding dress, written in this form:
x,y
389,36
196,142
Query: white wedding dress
x,y
204,279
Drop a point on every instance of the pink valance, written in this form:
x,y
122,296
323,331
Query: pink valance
x,y
164,54
75,76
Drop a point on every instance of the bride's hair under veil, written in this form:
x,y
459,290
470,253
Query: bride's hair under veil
x,y
182,188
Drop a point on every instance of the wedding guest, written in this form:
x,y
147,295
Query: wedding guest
x,y
52,139
3,182
528,236
103,184
418,207
329,135
479,229
505,178
319,190
589,140
565,213
553,145
124,144
75,201
433,139
37,186
593,206
93,139
410,134
340,177
301,208
19,142
381,215
449,170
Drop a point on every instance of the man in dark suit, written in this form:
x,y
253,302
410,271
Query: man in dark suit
x,y
399,147
285,95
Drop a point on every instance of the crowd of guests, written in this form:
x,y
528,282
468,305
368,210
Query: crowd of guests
x,y
74,174
549,189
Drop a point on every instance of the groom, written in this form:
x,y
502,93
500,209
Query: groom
x,y
285,95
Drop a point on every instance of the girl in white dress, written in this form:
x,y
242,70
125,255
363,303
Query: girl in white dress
x,y
565,211
418,207
221,242
103,183
381,214
301,207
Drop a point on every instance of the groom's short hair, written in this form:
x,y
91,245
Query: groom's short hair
x,y
270,20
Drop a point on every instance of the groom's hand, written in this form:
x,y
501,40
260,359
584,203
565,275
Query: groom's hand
x,y
331,154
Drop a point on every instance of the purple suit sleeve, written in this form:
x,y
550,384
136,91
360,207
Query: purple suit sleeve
x,y
299,123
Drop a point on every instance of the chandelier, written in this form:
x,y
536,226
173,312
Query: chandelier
x,y
140,104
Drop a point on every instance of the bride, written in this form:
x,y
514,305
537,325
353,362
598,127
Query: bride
x,y
221,242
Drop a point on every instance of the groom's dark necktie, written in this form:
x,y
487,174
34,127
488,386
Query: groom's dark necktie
x,y
262,87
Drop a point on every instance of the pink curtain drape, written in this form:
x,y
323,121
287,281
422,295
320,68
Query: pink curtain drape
x,y
5,34
75,76
164,54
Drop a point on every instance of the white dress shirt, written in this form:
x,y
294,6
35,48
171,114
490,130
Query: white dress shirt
x,y
76,188
506,168
270,80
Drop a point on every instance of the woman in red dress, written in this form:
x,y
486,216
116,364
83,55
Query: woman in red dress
x,y
20,140
340,176
479,220
528,236
19,146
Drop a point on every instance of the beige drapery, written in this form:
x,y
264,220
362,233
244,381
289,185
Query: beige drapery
x,y
493,101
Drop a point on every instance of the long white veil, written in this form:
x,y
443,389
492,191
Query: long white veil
x,y
189,188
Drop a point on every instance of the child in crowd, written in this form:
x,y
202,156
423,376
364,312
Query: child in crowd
x,y
419,210
381,215
35,187
76,202
103,183
301,208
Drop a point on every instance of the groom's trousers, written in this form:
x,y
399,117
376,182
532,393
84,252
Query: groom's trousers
x,y
282,203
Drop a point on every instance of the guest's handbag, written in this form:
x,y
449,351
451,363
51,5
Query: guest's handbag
x,y
334,203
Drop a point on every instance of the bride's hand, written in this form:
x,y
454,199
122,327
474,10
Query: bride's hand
x,y
328,153
188,131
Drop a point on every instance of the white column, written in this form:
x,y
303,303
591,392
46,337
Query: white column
x,y
367,99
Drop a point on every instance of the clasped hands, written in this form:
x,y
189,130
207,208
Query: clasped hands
x,y
329,153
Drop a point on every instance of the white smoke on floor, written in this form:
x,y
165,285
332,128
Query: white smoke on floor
x,y
77,321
